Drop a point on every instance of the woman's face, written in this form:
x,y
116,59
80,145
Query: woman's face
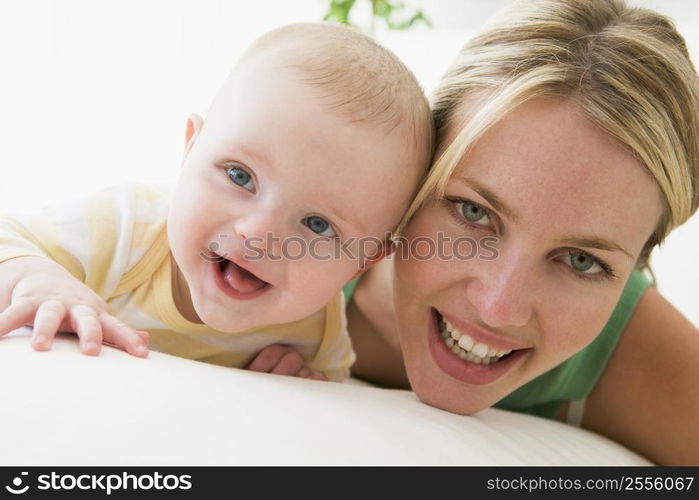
x,y
560,212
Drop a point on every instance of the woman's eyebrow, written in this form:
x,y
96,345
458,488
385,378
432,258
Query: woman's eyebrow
x,y
490,197
582,241
595,242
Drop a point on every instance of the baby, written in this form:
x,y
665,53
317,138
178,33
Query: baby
x,y
313,147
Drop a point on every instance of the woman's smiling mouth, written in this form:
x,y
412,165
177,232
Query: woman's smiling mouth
x,y
459,355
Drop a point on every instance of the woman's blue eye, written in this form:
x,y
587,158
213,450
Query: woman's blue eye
x,y
319,226
586,266
474,213
240,177
581,262
585,263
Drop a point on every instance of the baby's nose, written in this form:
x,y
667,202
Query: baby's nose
x,y
259,230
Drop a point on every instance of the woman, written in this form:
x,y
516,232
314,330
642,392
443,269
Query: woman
x,y
567,148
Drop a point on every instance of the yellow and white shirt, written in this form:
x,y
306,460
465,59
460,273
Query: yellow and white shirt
x,y
116,243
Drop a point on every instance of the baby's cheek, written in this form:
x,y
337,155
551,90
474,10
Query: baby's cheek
x,y
317,281
184,233
195,214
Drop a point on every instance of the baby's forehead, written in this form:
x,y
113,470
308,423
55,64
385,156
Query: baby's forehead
x,y
353,75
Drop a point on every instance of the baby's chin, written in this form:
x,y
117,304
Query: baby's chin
x,y
235,322
249,317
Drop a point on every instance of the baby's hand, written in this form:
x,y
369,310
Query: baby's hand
x,y
282,360
39,292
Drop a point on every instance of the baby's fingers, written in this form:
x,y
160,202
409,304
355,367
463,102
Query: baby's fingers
x,y
17,315
290,364
48,319
306,372
268,358
134,342
85,322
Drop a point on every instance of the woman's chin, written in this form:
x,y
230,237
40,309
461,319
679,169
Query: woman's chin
x,y
458,406
440,393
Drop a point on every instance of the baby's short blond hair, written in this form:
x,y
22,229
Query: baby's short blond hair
x,y
357,78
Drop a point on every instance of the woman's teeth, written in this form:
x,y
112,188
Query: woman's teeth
x,y
462,345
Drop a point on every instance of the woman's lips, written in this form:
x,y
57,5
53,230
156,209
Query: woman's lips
x,y
467,371
481,335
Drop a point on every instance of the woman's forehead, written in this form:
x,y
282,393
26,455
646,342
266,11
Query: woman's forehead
x,y
549,136
547,162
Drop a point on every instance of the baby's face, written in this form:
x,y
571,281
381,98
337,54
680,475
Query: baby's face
x,y
275,197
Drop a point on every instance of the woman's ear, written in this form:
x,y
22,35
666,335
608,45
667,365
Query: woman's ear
x,y
192,129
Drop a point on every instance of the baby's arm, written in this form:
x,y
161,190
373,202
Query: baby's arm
x,y
37,291
282,360
81,248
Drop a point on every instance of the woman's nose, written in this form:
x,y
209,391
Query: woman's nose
x,y
503,292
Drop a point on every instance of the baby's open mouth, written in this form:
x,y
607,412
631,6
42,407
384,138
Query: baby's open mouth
x,y
240,279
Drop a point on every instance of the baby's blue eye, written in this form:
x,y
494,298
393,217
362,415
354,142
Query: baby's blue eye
x,y
319,226
240,177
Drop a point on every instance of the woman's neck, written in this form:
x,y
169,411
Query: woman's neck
x,y
372,326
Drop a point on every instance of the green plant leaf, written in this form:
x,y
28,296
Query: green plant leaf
x,y
339,10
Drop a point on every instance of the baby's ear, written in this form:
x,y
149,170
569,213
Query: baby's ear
x,y
386,249
192,129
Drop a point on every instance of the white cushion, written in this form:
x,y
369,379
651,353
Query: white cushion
x,y
64,408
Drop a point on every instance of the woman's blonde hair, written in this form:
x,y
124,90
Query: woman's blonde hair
x,y
628,68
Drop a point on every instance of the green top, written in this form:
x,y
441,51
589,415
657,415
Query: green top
x,y
575,377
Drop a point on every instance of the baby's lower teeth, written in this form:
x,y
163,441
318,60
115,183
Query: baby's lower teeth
x,y
453,346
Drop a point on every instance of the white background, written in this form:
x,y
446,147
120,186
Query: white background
x,y
93,92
